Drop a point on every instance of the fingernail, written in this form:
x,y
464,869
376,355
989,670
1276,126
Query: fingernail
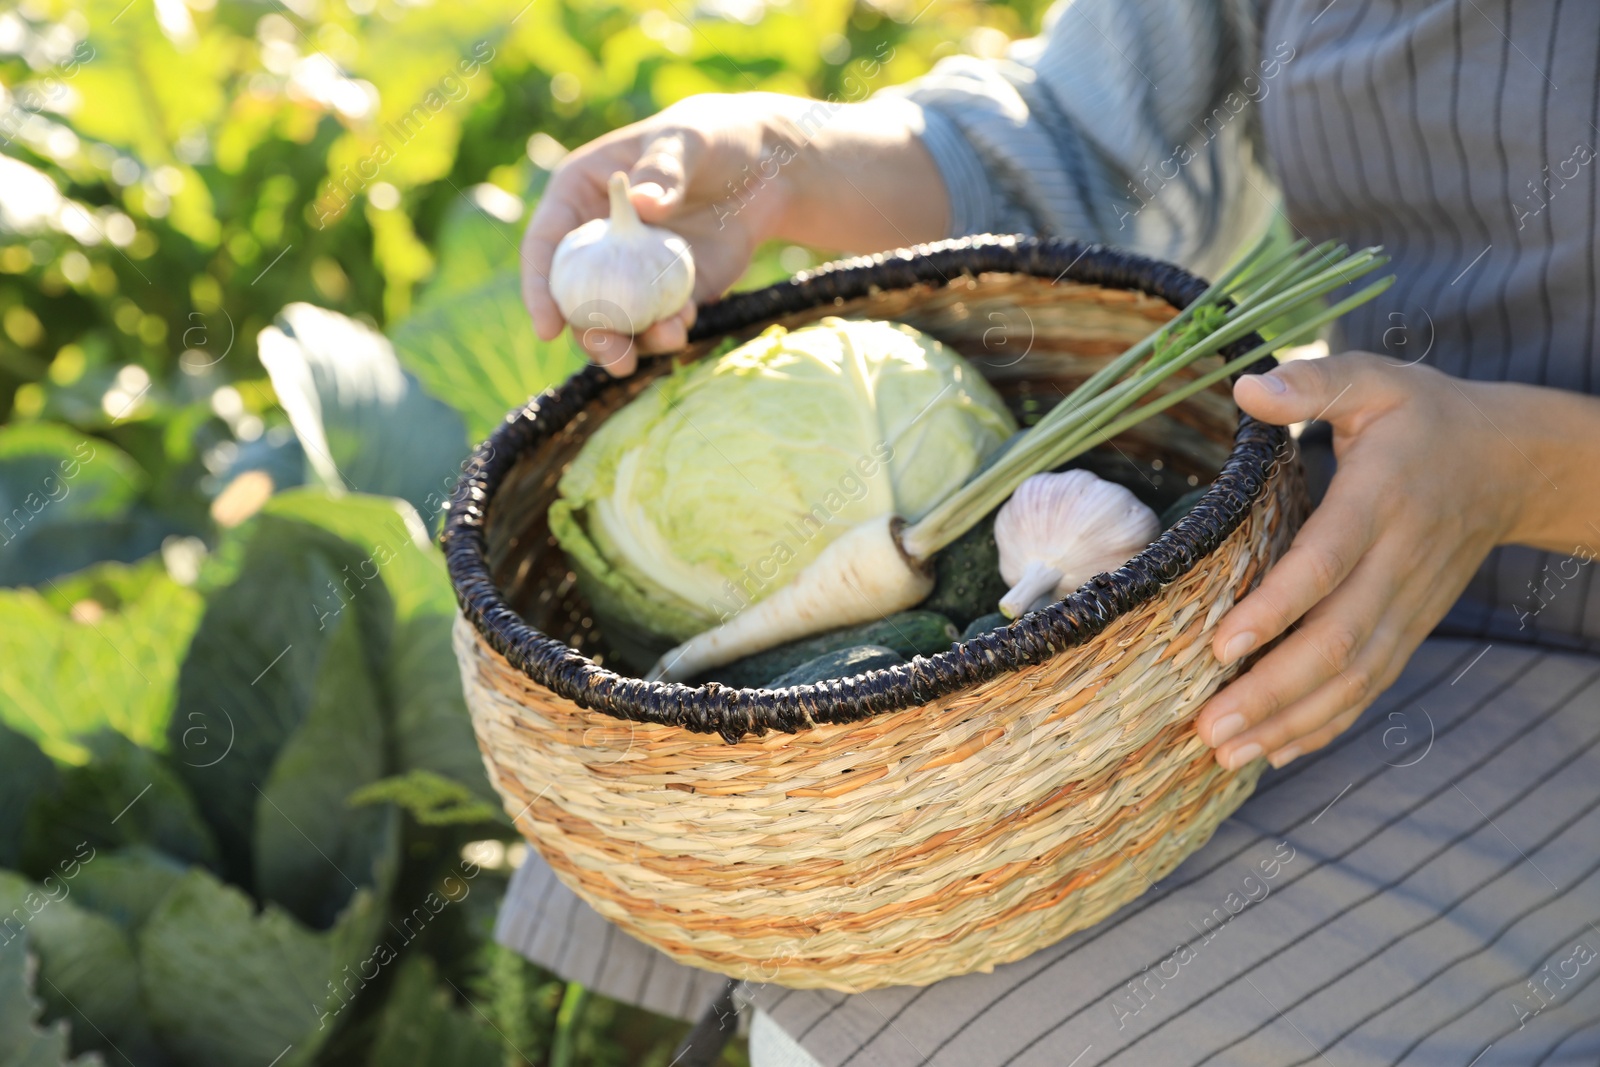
x,y
1225,727
1284,756
1242,755
1272,383
1238,645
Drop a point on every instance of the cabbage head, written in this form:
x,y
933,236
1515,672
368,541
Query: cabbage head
x,y
721,480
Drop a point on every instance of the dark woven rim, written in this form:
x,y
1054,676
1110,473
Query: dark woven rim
x,y
733,713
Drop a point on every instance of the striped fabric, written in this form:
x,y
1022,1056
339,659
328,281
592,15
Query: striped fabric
x,y
1426,890
546,922
1409,895
1460,134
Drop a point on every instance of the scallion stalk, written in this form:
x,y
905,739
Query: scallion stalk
x,y
1261,288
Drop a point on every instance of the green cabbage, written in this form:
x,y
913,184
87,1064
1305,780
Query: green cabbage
x,y
721,480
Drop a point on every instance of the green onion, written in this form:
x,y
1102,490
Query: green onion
x,y
1264,286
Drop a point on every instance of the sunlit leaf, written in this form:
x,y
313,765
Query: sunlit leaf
x,y
431,799
139,90
391,534
80,664
474,246
477,351
400,255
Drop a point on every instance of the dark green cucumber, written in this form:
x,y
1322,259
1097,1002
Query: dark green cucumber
x,y
966,576
910,633
983,624
845,663
1182,506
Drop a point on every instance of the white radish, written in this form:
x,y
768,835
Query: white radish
x,y
861,576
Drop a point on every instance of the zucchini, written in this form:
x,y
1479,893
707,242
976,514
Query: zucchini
x,y
909,633
845,663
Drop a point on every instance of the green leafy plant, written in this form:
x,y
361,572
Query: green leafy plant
x,y
258,296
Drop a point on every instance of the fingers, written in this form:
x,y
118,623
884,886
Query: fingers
x,y
669,334
1347,651
1339,699
576,193
1325,551
660,178
1329,665
615,352
1328,648
1316,739
619,354
665,336
1346,390
562,209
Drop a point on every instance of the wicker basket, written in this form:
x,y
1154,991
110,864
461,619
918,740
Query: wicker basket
x,y
914,823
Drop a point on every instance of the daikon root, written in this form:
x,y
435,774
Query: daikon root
x,y
861,576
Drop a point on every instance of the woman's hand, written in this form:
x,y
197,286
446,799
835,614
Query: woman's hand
x,y
729,172
683,164
1426,485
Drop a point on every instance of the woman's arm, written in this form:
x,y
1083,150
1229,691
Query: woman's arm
x,y
862,179
1433,473
1128,122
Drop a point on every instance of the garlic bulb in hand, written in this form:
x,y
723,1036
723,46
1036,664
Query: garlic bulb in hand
x,y
619,274
1059,530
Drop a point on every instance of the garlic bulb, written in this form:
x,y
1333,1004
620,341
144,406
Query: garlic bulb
x,y
619,274
1059,530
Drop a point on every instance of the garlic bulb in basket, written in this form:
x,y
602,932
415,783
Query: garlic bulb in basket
x,y
619,274
1059,530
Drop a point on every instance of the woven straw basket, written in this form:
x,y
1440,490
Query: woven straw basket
x,y
914,823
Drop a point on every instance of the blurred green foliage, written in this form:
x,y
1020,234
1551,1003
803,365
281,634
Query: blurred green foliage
x,y
257,296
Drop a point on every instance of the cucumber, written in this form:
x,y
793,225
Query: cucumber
x,y
983,624
967,580
845,663
1182,506
910,633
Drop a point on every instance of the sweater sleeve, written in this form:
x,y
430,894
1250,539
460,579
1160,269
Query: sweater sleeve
x,y
1130,122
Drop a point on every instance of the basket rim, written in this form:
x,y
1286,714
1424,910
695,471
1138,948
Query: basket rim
x,y
1035,637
